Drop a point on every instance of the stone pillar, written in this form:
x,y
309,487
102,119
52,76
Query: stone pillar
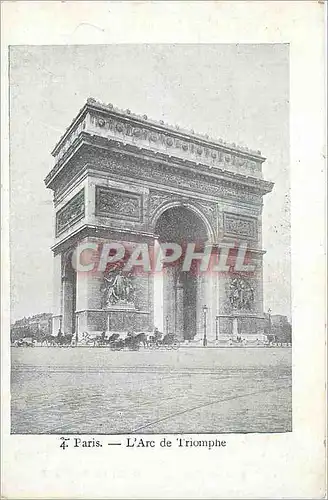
x,y
179,307
217,318
207,295
67,305
235,331
169,299
150,307
158,302
88,297
57,294
158,295
211,300
94,316
200,302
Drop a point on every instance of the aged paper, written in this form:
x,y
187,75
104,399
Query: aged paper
x,y
163,258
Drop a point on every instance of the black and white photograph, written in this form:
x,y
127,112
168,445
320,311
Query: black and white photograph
x,y
163,249
150,239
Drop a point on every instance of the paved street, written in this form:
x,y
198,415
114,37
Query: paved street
x,y
192,390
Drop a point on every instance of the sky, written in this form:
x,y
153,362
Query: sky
x,y
237,92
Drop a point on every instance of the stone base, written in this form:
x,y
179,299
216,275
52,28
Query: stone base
x,y
113,320
246,326
231,328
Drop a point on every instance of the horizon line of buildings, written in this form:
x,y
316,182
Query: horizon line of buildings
x,y
277,325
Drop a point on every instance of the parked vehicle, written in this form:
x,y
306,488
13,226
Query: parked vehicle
x,y
168,341
24,342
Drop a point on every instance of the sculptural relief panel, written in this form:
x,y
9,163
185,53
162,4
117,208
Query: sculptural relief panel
x,y
239,225
118,204
69,214
241,294
117,288
171,176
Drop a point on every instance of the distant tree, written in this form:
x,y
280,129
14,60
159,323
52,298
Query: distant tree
x,y
20,333
283,332
287,332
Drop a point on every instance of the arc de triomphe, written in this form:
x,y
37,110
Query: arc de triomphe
x,y
126,178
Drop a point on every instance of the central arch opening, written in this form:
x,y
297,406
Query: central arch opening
x,y
179,295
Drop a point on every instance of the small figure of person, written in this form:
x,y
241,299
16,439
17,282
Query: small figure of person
x,y
157,334
131,333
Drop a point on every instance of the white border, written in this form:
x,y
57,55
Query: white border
x,y
251,466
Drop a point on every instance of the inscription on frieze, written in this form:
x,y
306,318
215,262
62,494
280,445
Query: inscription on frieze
x,y
118,204
72,212
239,225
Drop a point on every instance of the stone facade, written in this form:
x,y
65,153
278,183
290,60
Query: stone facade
x,y
115,177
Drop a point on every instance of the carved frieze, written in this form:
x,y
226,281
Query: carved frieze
x,y
70,213
239,225
117,203
167,175
185,146
170,176
197,183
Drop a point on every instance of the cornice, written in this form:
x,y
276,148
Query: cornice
x,y
144,121
100,231
129,131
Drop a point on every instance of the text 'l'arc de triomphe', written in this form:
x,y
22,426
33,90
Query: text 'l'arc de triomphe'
x,y
126,178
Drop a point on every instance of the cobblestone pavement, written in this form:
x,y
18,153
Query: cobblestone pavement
x,y
99,391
